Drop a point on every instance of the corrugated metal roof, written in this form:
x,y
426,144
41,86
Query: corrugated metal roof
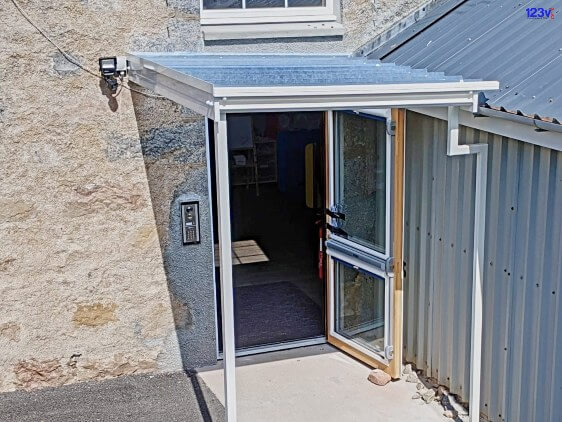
x,y
492,40
225,70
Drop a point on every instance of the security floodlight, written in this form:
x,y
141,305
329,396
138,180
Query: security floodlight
x,y
108,66
112,68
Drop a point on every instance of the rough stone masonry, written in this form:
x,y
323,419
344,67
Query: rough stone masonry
x,y
93,280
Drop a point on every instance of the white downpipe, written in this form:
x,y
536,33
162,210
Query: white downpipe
x,y
227,301
481,151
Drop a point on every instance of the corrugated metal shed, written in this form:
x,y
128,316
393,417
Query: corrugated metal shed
x,y
234,70
493,40
522,343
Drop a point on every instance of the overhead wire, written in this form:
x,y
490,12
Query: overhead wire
x,y
71,59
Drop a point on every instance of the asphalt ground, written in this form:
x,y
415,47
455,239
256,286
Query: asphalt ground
x,y
177,397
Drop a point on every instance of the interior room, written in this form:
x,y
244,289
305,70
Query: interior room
x,y
277,197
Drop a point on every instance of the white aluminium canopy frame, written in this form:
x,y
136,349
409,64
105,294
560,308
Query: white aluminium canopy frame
x,y
214,85
211,83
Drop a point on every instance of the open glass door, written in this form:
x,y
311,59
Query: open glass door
x,y
360,279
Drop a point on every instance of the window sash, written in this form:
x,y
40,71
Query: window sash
x,y
268,14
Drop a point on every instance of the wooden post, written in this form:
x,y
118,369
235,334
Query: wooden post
x,y
398,115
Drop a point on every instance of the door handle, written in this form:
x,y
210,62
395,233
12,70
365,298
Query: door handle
x,y
336,230
335,214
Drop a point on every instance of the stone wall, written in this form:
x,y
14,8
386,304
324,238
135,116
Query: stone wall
x,y
94,282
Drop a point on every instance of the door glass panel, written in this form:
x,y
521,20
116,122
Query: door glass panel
x,y
359,307
360,178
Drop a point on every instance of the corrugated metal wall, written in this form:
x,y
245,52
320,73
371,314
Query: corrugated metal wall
x,y
522,345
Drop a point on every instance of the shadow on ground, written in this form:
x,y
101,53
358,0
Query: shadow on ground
x,y
175,397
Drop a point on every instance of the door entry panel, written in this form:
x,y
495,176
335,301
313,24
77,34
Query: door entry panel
x,y
360,278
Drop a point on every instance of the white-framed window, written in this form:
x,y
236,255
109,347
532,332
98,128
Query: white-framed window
x,y
266,11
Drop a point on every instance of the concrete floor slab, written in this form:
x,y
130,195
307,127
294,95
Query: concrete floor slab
x,y
317,383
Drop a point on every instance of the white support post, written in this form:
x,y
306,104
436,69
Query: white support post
x,y
477,283
225,254
481,151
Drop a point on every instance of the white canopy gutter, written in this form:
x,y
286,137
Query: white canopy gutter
x,y
216,100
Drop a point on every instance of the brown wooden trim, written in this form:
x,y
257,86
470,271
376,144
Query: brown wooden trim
x,y
398,115
357,354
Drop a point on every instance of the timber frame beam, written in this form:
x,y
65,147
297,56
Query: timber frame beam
x,y
398,116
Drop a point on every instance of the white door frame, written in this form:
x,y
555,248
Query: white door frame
x,y
225,254
355,262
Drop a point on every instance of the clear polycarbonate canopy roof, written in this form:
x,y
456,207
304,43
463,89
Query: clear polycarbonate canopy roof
x,y
257,82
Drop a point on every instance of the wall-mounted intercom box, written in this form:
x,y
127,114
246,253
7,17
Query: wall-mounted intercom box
x,y
190,222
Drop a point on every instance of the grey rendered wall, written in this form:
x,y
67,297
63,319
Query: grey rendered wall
x,y
522,374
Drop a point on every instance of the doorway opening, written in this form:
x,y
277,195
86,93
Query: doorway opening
x,y
277,174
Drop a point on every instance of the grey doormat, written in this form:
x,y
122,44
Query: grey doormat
x,y
275,313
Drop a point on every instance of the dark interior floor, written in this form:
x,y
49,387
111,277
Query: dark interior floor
x,y
281,299
278,295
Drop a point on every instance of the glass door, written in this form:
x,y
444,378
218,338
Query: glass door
x,y
360,278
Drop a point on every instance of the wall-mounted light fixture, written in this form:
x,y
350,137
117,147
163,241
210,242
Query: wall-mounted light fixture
x,y
112,68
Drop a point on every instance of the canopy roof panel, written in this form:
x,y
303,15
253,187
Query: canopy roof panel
x,y
257,82
291,70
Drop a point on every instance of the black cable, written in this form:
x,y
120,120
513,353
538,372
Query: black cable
x,y
72,59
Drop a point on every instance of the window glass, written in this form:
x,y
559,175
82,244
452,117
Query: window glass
x,y
222,4
250,4
262,4
306,3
